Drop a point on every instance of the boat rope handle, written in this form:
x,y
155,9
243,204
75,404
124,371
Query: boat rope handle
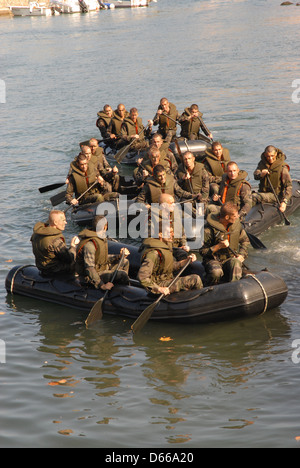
x,y
14,276
186,144
263,290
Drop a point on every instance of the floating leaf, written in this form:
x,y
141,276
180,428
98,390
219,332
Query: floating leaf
x,y
165,338
66,432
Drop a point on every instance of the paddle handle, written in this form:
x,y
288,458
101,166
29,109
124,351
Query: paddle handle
x,y
118,267
146,314
277,200
180,273
122,153
82,195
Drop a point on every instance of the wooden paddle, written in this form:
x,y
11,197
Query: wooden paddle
x,y
48,188
287,222
120,155
146,314
96,311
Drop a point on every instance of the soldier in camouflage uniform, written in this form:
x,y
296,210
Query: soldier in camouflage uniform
x,y
215,163
114,128
109,174
82,175
225,245
132,130
193,178
52,256
161,182
165,152
273,164
233,188
93,263
147,164
103,120
191,123
158,267
169,212
166,117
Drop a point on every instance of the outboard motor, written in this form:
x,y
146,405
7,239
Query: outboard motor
x,y
197,147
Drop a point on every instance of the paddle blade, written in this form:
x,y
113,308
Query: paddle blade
x,y
120,155
287,222
48,188
143,318
58,198
255,241
95,313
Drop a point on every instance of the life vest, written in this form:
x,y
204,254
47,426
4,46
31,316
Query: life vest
x,y
134,128
230,190
116,123
163,266
83,181
232,233
101,255
191,126
195,180
42,239
275,176
103,116
217,167
156,189
166,123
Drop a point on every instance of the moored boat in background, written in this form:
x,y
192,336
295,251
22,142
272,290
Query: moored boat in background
x,y
32,9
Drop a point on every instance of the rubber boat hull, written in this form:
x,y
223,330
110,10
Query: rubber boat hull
x,y
263,216
251,296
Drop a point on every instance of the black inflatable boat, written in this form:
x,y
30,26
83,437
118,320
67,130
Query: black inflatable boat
x,y
252,295
265,215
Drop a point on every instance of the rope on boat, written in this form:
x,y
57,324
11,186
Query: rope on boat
x,y
262,288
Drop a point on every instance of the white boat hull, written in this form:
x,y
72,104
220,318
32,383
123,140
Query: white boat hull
x,y
73,6
30,11
126,4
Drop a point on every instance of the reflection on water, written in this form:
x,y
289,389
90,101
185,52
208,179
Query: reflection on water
x,y
64,385
196,367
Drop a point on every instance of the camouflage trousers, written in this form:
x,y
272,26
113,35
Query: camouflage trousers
x,y
262,197
184,283
229,270
93,279
167,135
98,198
